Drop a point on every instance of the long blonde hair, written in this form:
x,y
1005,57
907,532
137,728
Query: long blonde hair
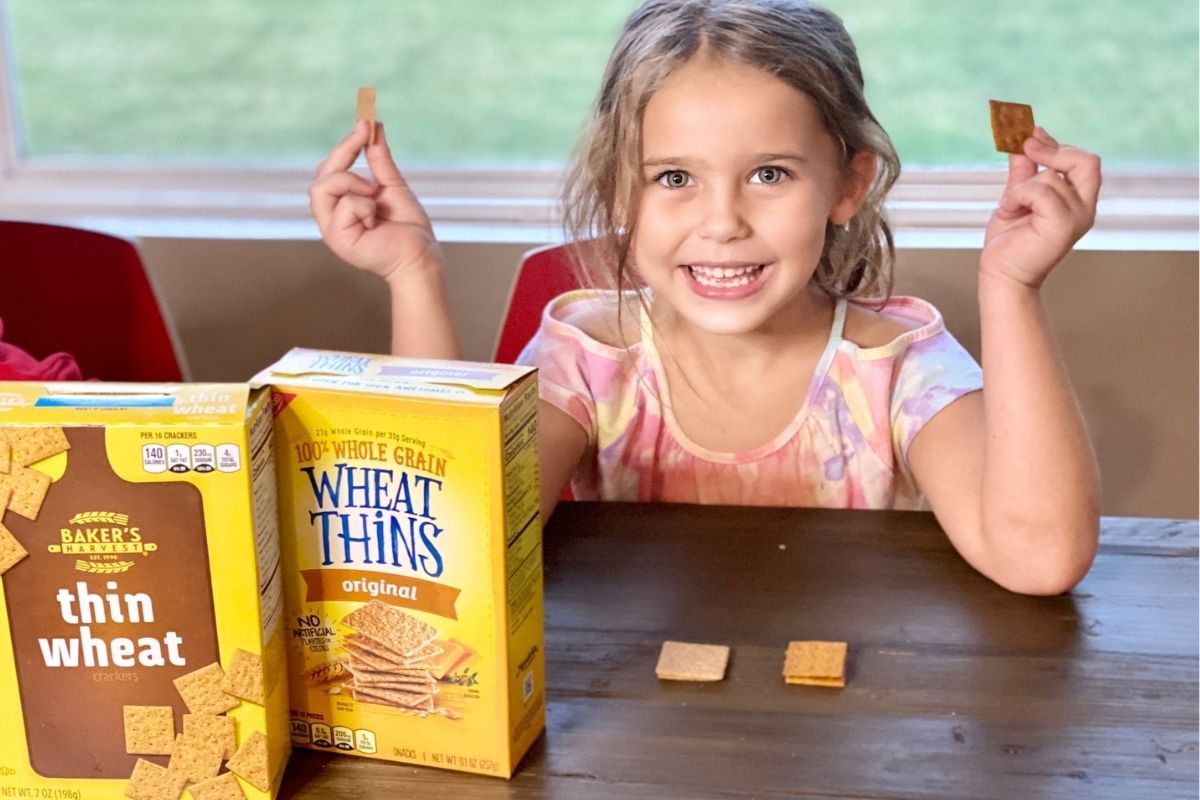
x,y
797,41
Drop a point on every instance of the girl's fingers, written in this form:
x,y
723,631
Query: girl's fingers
x,y
343,154
1038,198
327,190
352,212
1020,169
1081,168
379,159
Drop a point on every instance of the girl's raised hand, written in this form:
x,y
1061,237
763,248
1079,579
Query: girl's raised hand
x,y
1043,212
377,225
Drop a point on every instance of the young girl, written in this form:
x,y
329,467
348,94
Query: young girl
x,y
732,181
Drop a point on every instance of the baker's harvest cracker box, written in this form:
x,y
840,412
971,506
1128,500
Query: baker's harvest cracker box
x,y
142,644
408,494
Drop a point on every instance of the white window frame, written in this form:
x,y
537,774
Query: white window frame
x,y
1140,210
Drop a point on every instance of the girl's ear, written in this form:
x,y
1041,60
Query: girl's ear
x,y
856,182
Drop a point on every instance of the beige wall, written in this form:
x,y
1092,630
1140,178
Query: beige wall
x,y
1126,323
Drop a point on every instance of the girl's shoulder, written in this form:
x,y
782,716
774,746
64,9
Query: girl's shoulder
x,y
902,320
595,316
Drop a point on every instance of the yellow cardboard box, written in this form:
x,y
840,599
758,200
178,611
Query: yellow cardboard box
x,y
411,539
141,648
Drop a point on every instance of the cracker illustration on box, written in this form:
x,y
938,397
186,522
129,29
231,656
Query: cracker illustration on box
x,y
139,567
412,547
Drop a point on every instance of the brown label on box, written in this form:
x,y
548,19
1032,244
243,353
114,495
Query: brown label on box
x,y
111,605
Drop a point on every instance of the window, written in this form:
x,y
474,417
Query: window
x,y
223,107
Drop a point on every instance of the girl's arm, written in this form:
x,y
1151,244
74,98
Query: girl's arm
x,y
379,225
562,443
1010,472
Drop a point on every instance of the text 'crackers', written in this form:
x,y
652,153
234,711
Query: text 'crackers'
x,y
139,557
412,546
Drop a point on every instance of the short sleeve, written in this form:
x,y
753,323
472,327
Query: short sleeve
x,y
561,354
931,374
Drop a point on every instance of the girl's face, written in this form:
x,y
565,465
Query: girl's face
x,y
739,177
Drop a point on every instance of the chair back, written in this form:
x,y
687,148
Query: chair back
x,y
544,274
87,294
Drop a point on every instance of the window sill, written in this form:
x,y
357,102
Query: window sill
x,y
929,208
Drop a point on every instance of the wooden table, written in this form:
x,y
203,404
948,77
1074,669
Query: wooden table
x,y
956,688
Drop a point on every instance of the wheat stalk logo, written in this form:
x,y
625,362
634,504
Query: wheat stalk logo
x,y
112,517
94,568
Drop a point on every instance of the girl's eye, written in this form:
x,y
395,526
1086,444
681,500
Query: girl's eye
x,y
674,179
769,175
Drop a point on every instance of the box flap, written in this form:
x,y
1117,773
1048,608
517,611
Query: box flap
x,y
417,377
97,403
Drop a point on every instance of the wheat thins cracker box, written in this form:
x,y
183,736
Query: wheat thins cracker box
x,y
149,588
412,551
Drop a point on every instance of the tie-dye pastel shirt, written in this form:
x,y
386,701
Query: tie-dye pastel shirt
x,y
846,447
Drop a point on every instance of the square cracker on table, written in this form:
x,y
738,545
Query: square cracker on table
x,y
391,627
682,661
201,690
1012,124
815,663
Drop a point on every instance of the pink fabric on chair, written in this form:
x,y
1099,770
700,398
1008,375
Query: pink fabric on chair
x,y
17,365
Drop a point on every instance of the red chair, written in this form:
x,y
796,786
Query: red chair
x,y
86,294
544,274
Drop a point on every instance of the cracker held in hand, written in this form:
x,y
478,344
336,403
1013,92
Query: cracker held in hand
x,y
681,661
815,663
1012,124
366,110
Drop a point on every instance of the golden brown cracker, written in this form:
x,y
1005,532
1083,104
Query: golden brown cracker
x,y
244,677
11,550
201,690
149,730
366,110
30,445
223,787
391,627
1012,124
815,663
683,661
149,781
28,490
250,762
197,758
216,728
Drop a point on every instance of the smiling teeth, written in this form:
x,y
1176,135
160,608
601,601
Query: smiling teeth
x,y
724,276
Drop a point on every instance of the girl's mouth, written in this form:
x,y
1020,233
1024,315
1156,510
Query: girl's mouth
x,y
725,281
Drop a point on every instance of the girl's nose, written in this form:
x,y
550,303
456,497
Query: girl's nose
x,y
723,218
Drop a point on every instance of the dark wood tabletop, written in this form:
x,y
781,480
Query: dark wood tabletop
x,y
955,687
